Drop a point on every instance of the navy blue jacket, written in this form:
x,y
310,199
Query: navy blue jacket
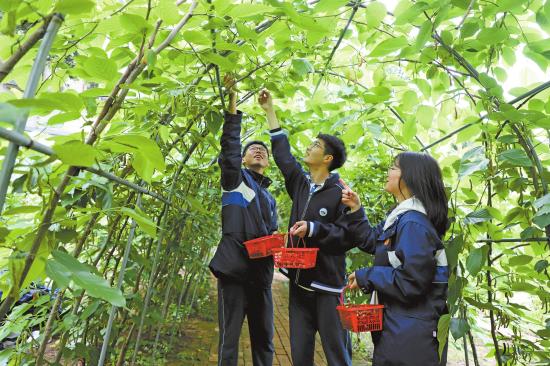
x,y
248,212
410,276
324,212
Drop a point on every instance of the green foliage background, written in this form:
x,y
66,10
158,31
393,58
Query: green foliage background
x,y
426,75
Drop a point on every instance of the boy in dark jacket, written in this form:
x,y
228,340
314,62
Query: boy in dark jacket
x,y
248,212
317,218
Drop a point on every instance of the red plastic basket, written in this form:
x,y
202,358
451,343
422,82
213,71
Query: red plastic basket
x,y
295,257
360,317
262,247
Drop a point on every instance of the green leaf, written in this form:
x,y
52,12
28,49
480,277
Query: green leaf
x,y
523,287
543,17
302,66
63,117
48,102
98,287
478,216
542,47
459,327
475,260
69,262
90,309
541,265
101,68
511,5
219,60
453,249
542,221
326,6
147,154
410,14
509,56
214,121
424,35
134,23
388,46
520,260
377,94
95,92
473,161
543,201
409,130
21,210
491,36
515,157
58,273
9,113
66,7
77,153
443,332
245,32
196,37
375,12
249,10
151,57
144,222
311,24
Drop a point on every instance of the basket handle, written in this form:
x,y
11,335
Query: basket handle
x,y
297,244
342,295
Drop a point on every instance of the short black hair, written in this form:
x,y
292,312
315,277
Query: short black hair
x,y
254,142
335,147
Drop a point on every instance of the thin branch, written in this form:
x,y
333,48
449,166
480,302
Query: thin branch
x,y
512,248
465,15
6,67
532,92
177,28
394,112
354,11
458,57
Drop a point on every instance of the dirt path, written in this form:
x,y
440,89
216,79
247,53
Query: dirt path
x,y
199,344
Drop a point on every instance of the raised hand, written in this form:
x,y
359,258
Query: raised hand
x,y
265,100
229,83
350,198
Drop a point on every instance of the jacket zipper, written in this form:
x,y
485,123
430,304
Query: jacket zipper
x,y
296,280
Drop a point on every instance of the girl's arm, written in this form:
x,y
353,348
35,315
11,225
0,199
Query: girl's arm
x,y
413,266
359,229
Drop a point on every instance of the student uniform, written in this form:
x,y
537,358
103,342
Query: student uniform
x,y
244,284
410,276
314,293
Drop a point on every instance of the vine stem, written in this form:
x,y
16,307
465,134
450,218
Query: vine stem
x,y
353,12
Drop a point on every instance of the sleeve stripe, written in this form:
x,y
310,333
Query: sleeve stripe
x,y
277,133
311,227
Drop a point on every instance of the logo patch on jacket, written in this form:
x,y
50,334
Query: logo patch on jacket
x,y
323,212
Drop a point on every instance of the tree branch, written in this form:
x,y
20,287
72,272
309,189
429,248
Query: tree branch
x,y
7,67
534,91
458,57
354,11
177,28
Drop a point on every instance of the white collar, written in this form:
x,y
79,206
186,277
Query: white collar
x,y
410,204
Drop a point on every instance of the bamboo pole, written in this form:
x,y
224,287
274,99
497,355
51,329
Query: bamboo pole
x,y
30,90
22,140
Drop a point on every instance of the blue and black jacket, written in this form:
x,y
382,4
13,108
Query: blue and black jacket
x,y
410,275
322,208
248,212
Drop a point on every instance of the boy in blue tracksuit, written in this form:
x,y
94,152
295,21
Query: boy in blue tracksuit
x,y
248,212
317,217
